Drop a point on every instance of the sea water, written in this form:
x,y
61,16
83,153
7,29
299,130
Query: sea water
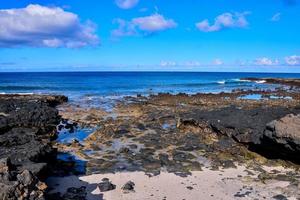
x,y
104,87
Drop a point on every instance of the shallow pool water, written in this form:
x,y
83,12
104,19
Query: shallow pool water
x,y
259,97
281,97
79,164
79,134
251,97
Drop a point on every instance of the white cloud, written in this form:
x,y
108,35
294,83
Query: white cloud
x,y
146,25
192,63
292,60
154,23
217,62
126,4
276,17
266,61
224,21
40,26
168,63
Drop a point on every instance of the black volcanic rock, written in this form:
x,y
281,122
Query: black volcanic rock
x,y
254,127
27,124
106,185
283,136
129,186
244,125
282,81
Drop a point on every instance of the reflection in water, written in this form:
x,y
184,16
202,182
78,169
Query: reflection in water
x,y
78,165
259,97
79,134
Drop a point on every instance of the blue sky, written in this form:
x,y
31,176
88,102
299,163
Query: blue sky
x,y
145,35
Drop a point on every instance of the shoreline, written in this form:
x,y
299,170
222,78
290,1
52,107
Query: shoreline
x,y
170,137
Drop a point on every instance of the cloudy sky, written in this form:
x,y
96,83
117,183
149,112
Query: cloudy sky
x,y
144,35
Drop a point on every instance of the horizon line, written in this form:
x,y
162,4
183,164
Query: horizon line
x,y
259,72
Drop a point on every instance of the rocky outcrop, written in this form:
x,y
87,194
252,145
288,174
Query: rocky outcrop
x,y
282,81
27,124
270,131
283,135
244,125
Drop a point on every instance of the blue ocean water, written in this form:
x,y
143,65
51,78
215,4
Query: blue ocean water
x,y
79,85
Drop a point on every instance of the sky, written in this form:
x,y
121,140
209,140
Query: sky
x,y
150,35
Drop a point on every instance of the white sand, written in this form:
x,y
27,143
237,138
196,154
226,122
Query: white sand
x,y
207,184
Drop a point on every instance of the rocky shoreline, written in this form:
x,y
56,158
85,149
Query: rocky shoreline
x,y
282,81
253,143
27,126
181,134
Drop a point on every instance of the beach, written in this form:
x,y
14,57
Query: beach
x,y
149,100
242,144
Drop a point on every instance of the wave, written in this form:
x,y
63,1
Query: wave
x,y
239,80
260,82
219,82
17,93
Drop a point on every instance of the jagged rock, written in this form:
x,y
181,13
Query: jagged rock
x,y
5,165
75,194
26,178
286,128
265,130
27,123
284,135
129,186
106,185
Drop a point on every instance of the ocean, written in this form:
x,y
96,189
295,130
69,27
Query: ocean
x,y
105,86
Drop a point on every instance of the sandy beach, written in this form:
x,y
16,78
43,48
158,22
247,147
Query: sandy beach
x,y
235,183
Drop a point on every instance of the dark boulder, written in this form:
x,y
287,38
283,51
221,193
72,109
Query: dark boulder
x,y
75,194
265,130
129,186
282,137
106,185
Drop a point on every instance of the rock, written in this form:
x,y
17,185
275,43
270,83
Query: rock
x,y
41,186
280,197
5,165
270,131
75,141
26,178
27,124
106,185
189,187
244,125
284,135
75,194
164,159
284,81
105,180
286,128
129,186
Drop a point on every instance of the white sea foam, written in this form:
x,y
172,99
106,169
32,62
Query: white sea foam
x,y
260,82
18,93
240,80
